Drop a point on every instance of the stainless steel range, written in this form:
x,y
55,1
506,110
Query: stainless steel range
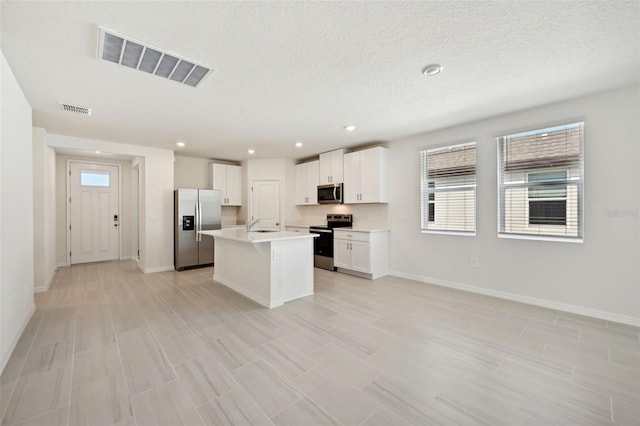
x,y
323,245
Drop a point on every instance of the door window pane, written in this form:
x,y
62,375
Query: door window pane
x,y
94,178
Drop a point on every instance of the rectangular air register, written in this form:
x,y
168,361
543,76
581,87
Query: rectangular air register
x,y
123,50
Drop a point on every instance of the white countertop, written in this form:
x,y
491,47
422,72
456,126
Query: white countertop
x,y
240,234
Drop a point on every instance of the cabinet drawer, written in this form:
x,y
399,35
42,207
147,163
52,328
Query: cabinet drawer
x,y
351,235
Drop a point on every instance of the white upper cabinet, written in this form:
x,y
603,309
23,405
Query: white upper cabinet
x,y
331,167
228,179
366,176
307,175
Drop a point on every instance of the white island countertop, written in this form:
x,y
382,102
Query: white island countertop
x,y
240,234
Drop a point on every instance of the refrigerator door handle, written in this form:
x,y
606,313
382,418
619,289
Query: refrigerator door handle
x,y
197,227
199,221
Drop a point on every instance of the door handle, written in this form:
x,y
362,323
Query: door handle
x,y
197,221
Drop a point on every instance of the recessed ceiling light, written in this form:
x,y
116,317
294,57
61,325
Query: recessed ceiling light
x,y
350,128
433,69
251,151
97,152
180,144
299,144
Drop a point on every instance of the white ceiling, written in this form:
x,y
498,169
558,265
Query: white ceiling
x,y
301,71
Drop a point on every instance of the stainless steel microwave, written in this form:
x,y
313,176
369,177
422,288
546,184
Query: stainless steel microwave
x,y
330,194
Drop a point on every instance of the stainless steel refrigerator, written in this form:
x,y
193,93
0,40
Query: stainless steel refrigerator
x,y
195,210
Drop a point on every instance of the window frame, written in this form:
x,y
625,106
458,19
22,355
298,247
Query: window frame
x,y
571,180
431,190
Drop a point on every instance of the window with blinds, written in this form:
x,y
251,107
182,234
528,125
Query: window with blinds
x,y
448,189
540,183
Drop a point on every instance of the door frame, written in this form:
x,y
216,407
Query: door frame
x,y
68,208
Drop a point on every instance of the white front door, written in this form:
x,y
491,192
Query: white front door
x,y
265,203
94,215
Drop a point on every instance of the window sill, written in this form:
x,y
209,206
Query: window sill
x,y
460,233
541,238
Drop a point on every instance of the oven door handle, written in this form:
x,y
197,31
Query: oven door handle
x,y
322,231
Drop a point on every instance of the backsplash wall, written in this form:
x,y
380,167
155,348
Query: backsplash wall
x,y
363,214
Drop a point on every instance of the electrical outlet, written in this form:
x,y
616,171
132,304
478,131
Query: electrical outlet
x,y
276,254
474,262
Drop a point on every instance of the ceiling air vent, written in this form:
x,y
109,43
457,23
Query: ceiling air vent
x,y
123,50
76,109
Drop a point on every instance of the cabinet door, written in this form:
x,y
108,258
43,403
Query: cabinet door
x,y
219,180
337,164
341,254
313,177
301,184
370,176
234,185
360,256
325,168
351,185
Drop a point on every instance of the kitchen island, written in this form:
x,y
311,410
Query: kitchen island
x,y
270,268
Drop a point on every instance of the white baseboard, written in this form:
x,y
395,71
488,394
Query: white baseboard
x,y
45,287
156,269
574,309
7,354
246,293
62,265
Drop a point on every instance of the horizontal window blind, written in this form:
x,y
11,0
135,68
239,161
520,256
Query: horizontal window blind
x,y
448,188
540,183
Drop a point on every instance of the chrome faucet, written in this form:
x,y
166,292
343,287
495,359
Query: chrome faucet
x,y
251,224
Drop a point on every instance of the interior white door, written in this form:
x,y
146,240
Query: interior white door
x,y
93,212
265,203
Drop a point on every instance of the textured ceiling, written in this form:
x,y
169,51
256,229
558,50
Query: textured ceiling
x,y
301,71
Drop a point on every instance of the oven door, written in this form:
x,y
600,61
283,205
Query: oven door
x,y
323,248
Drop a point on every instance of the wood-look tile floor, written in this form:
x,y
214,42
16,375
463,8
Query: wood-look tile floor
x,y
109,345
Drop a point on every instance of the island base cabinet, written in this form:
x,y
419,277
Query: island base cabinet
x,y
361,253
269,273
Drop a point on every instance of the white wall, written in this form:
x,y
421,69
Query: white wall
x,y
189,172
127,219
156,181
599,277
16,213
44,211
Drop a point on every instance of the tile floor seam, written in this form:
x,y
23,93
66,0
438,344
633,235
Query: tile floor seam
x,y
124,377
73,358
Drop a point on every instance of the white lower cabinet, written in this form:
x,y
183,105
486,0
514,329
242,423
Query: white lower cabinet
x,y
365,253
